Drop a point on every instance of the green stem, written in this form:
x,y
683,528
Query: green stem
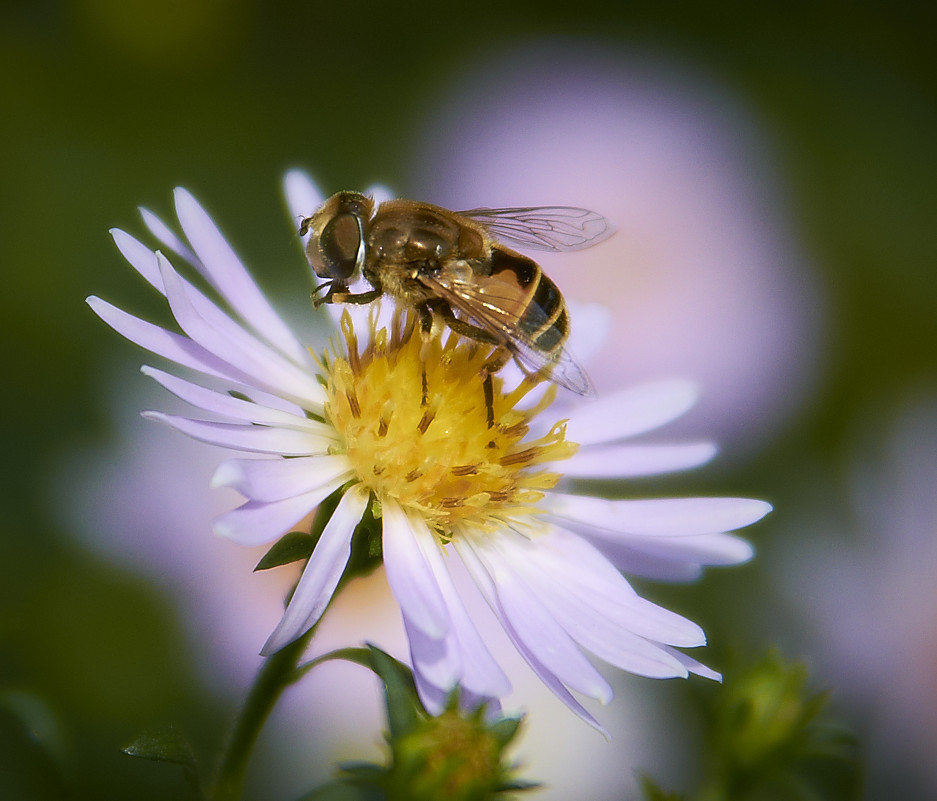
x,y
276,674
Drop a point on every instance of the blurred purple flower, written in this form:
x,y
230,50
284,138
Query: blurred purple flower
x,y
708,278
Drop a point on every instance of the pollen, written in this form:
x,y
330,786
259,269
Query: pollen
x,y
413,420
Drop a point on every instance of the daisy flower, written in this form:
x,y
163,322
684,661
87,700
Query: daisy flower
x,y
454,495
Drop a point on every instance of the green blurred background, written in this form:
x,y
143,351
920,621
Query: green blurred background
x,y
108,104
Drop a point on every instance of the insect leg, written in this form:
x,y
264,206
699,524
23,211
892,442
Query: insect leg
x,y
465,329
343,296
325,286
498,359
426,327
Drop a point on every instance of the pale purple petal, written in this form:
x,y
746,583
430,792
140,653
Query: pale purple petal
x,y
436,661
698,668
167,236
228,276
434,699
630,461
257,523
538,630
234,408
657,517
140,257
409,575
572,566
604,637
486,586
704,549
254,439
224,337
460,656
629,412
636,563
278,479
322,573
233,337
167,344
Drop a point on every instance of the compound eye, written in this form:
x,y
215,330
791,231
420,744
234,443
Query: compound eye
x,y
341,243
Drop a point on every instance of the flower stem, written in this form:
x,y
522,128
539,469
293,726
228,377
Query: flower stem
x,y
276,674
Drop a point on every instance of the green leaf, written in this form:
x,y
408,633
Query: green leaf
x,y
166,744
292,547
505,730
404,709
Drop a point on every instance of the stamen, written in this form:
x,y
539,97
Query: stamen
x,y
351,340
428,416
515,432
465,470
387,412
520,457
353,404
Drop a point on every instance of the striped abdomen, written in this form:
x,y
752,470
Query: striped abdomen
x,y
532,298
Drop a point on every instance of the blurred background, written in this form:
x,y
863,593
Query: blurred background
x,y
773,179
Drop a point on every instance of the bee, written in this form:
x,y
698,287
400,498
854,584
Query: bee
x,y
454,264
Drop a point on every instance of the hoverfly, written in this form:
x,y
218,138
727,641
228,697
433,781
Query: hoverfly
x,y
452,264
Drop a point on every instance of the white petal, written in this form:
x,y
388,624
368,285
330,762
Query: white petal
x,y
256,523
322,573
409,575
254,439
658,517
278,479
167,236
167,344
235,408
543,636
225,272
630,411
630,461
228,340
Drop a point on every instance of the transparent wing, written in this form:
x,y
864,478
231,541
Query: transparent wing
x,y
556,228
488,310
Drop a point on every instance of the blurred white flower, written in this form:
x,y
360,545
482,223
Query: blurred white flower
x,y
865,582
455,492
705,276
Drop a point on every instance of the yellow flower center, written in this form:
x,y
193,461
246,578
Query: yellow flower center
x,y
415,423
